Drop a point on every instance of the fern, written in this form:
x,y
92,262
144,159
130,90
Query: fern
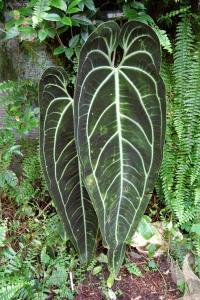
x,y
40,11
166,73
33,185
8,291
164,40
181,72
180,169
174,13
17,287
133,269
3,231
6,86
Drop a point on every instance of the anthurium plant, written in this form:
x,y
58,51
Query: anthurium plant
x,y
101,151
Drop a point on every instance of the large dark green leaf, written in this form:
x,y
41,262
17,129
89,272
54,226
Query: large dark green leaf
x,y
120,127
60,163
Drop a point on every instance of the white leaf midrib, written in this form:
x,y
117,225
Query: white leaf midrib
x,y
119,128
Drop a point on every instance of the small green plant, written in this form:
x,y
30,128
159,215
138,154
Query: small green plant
x,y
152,265
41,264
19,98
133,269
8,149
3,231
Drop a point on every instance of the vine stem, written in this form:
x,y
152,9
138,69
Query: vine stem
x,y
60,41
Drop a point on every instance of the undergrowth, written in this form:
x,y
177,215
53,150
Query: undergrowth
x,y
179,183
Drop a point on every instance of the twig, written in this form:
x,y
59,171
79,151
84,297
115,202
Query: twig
x,y
43,210
2,30
165,284
71,280
60,41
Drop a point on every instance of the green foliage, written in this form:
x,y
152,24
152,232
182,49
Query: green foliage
x,y
3,231
174,13
181,158
121,200
133,269
19,99
8,149
34,260
1,4
21,117
137,11
40,11
145,228
36,257
45,20
181,165
70,22
8,291
152,265
41,254
32,187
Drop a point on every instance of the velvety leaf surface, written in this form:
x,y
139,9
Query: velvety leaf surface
x,y
60,163
120,127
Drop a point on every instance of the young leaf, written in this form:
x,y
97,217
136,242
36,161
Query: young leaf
x,y
120,127
89,4
74,41
59,50
10,178
195,228
52,17
42,34
12,33
66,21
73,10
97,270
73,4
60,163
83,20
145,228
61,4
69,52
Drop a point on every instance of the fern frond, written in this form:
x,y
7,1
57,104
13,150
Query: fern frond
x,y
7,86
3,231
180,168
168,16
196,243
163,37
8,291
181,72
166,73
40,11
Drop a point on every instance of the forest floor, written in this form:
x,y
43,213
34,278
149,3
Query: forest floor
x,y
154,284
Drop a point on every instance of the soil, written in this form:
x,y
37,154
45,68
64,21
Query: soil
x,y
153,285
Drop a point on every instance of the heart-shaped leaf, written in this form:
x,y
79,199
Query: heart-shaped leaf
x,y
120,127
60,163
